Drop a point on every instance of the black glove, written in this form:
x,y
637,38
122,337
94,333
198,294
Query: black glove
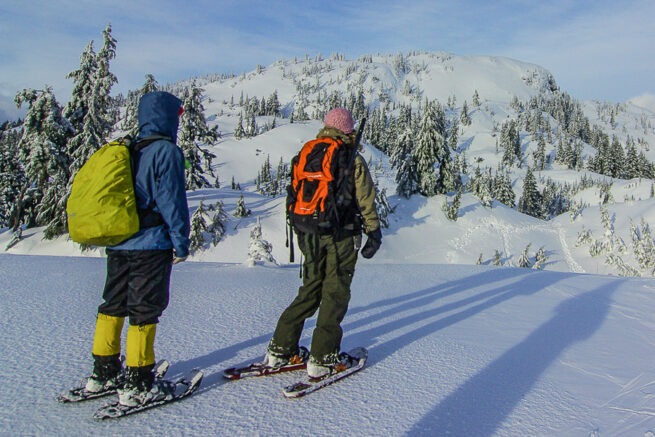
x,y
373,242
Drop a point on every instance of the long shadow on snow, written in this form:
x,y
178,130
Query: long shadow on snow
x,y
400,303
481,404
488,299
418,299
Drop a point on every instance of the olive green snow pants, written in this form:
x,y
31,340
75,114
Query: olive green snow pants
x,y
327,274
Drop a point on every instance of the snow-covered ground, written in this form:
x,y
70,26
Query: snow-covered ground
x,y
454,350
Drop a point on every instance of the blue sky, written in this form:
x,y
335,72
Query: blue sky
x,y
595,49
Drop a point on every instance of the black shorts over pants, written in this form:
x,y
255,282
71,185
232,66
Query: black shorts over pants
x,y
137,284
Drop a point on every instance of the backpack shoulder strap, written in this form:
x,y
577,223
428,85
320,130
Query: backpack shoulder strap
x,y
148,218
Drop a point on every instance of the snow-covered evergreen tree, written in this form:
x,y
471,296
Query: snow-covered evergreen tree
x,y
42,151
241,210
192,132
540,259
453,134
83,79
239,131
251,129
267,184
12,178
199,228
382,203
273,104
524,259
476,99
98,121
259,249
452,210
530,202
540,154
502,189
464,115
497,261
217,226
131,121
402,160
643,246
480,187
428,142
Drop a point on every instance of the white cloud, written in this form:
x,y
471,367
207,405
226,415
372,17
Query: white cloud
x,y
646,101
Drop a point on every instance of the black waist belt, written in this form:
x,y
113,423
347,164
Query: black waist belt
x,y
149,219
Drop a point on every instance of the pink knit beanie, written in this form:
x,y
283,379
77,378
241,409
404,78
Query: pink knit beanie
x,y
341,119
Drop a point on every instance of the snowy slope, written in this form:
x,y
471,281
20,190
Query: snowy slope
x,y
419,231
454,350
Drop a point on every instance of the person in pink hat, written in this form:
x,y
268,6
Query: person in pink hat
x,y
330,255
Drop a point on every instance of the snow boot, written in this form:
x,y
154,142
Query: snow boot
x,y
141,387
106,374
274,360
319,370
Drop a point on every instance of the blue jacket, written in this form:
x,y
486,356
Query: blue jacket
x,y
160,178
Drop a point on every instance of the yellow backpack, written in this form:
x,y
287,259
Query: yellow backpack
x,y
102,206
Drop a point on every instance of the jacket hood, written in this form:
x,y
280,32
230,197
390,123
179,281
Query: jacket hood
x,y
158,114
336,134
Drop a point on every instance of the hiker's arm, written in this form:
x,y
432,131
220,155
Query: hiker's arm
x,y
171,198
365,195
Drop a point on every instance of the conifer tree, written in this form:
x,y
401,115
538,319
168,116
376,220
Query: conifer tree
x,y
453,134
193,131
217,226
239,132
524,259
259,249
480,187
476,99
83,78
12,177
251,126
402,160
452,210
540,154
540,259
530,202
446,181
503,191
282,176
643,246
497,261
42,151
273,104
199,228
429,139
464,115
100,116
131,120
241,210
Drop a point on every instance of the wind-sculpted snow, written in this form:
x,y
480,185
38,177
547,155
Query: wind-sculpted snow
x,y
469,350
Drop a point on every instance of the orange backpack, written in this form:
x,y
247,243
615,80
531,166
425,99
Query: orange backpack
x,y
316,202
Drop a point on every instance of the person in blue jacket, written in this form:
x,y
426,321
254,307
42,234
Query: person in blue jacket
x,y
139,269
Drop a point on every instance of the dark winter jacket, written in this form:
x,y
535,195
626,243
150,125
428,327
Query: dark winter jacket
x,y
160,182
364,187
